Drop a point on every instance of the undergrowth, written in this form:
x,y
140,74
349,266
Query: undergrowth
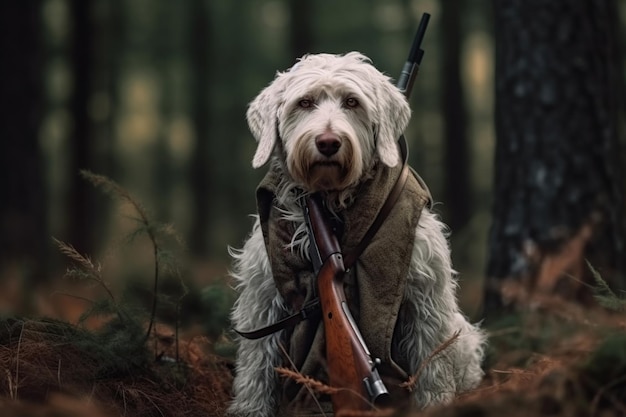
x,y
553,357
127,364
549,358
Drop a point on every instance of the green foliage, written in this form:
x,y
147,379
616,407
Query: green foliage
x,y
603,294
156,233
101,308
124,334
113,351
608,362
217,301
123,346
603,375
520,336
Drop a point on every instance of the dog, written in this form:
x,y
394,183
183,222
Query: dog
x,y
330,125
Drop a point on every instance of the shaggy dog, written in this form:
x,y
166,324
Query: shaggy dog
x,y
330,124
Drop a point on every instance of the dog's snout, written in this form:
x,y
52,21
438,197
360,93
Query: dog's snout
x,y
328,144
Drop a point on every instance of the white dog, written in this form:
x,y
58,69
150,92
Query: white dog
x,y
330,124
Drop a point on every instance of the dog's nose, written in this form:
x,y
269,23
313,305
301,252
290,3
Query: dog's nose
x,y
328,144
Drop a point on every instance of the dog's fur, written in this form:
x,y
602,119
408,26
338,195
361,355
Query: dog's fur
x,y
345,98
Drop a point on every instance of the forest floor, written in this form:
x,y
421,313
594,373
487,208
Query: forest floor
x,y
109,355
552,359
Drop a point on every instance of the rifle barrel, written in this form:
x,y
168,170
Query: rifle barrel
x,y
409,70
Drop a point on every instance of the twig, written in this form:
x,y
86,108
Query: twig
x,y
124,401
513,372
307,381
312,384
113,188
505,332
293,365
17,363
10,382
156,276
178,308
412,381
602,392
59,373
147,397
387,412
77,297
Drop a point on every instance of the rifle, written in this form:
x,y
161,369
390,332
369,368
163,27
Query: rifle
x,y
350,364
351,367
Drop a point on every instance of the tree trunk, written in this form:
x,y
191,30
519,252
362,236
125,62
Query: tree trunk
x,y
458,204
81,207
23,226
301,36
558,187
201,173
164,56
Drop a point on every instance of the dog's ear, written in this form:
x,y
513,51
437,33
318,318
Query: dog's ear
x,y
262,118
393,117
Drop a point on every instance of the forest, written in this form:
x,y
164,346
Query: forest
x,y
126,174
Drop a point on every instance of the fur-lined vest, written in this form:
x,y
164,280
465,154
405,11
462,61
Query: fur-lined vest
x,y
374,287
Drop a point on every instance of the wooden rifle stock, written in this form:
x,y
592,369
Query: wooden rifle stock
x,y
351,367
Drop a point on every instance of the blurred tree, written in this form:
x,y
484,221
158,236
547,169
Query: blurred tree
x,y
457,185
23,226
301,24
558,186
164,45
201,172
81,207
107,33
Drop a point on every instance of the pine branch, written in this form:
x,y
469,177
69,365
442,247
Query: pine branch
x,y
115,190
112,188
127,335
603,293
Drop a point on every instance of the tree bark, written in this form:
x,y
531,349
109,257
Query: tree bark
x,y
558,186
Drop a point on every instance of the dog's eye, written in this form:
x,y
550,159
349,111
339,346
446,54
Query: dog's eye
x,y
351,102
305,103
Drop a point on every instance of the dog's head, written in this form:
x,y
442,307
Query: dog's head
x,y
334,114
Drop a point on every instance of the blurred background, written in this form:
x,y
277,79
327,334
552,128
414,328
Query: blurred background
x,y
153,94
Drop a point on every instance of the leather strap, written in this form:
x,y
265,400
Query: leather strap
x,y
313,307
310,309
351,258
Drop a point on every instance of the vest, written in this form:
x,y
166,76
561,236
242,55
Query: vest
x,y
374,286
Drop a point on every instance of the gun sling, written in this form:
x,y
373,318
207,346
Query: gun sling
x,y
350,259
